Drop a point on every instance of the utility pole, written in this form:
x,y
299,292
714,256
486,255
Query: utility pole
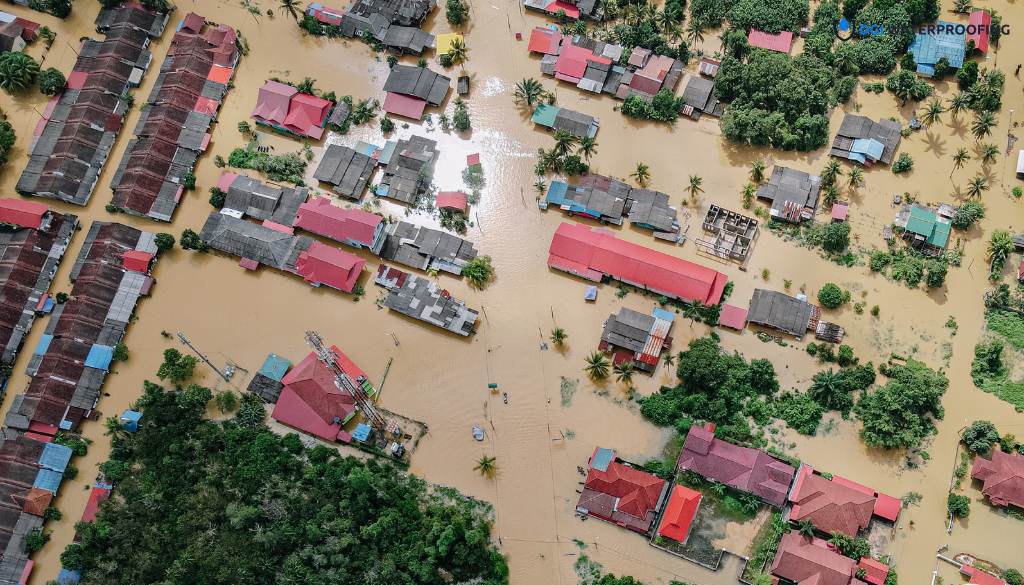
x,y
183,339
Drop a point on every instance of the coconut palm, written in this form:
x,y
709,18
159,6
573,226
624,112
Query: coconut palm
x,y
989,152
578,28
983,123
291,7
696,186
757,170
528,91
18,71
748,195
805,527
597,366
856,179
668,358
624,373
1000,246
831,172
307,85
642,174
587,147
933,112
564,142
959,158
558,336
830,195
958,103
977,186
486,465
458,52
694,34
666,19
828,390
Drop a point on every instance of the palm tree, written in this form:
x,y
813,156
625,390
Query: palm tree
x,y
748,195
831,172
958,103
458,52
540,186
624,373
757,170
587,147
668,358
1000,246
959,158
977,186
694,33
933,112
856,179
805,527
579,28
830,195
691,311
307,85
528,91
558,336
642,174
989,153
564,141
291,7
666,19
696,186
983,123
486,466
597,366
18,71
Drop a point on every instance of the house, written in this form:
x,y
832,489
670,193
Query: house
x,y
283,108
840,211
574,9
935,42
248,197
22,212
556,118
545,40
420,87
793,194
455,201
621,494
804,560
393,23
425,248
421,299
699,98
409,169
606,204
257,243
782,312
679,514
875,572
322,264
350,226
781,42
635,338
311,402
830,506
594,254
347,170
749,470
732,234
862,140
11,37
709,67
1001,477
978,30
923,228
980,577
733,317
650,210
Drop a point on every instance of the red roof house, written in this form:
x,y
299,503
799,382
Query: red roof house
x,y
307,115
323,264
193,22
733,317
22,212
875,572
545,41
453,200
809,561
679,513
830,506
406,106
97,496
750,470
978,29
272,103
310,401
1002,478
620,494
979,577
137,261
354,227
572,62
781,42
592,254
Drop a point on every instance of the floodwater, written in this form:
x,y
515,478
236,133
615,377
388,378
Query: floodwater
x,y
232,314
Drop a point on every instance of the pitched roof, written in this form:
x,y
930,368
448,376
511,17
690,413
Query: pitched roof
x,y
875,572
780,42
979,577
544,40
456,200
830,506
418,82
621,494
137,260
679,513
806,561
273,101
406,106
311,402
978,30
934,43
320,217
733,317
743,468
1002,478
323,264
22,212
307,115
592,253
780,311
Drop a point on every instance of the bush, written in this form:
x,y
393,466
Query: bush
x,y
120,353
831,296
35,540
903,164
846,357
835,237
879,260
217,197
936,273
1013,577
18,71
387,124
660,409
163,241
968,213
51,81
460,119
456,11
190,240
959,506
799,411
664,107
479,271
980,436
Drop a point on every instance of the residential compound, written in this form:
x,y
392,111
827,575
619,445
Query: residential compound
x,y
284,108
79,126
791,194
574,9
638,339
609,200
621,494
861,139
174,126
420,298
393,23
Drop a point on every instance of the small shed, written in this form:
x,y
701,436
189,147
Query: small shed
x,y
275,367
362,432
130,420
733,317
137,261
453,200
840,211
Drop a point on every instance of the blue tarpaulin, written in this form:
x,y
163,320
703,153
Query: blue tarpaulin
x,y
275,367
68,577
659,313
362,432
55,457
99,357
869,147
48,480
130,420
602,458
44,344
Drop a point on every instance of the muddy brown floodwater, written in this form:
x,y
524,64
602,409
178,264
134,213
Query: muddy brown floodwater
x,y
440,379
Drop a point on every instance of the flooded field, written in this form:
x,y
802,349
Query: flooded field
x,y
236,315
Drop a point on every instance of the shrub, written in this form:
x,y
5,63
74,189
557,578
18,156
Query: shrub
x,y
879,260
959,506
163,241
835,237
980,436
1013,577
479,271
460,119
387,124
831,296
217,197
968,213
190,240
456,11
51,81
35,540
903,164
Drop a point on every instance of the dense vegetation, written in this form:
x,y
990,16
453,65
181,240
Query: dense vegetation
x,y
900,414
204,503
1004,319
278,167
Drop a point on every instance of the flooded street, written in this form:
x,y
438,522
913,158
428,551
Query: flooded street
x,y
233,314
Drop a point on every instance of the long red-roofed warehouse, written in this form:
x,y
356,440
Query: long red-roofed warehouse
x,y
593,254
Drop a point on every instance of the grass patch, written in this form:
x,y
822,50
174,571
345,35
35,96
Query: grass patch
x,y
725,501
567,388
764,546
1009,325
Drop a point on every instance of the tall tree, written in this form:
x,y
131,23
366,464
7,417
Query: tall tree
x,y
959,158
528,91
642,174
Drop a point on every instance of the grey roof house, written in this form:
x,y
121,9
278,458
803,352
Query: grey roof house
x,y
409,169
425,248
419,82
793,194
863,140
251,241
782,312
392,22
253,198
347,170
421,298
699,98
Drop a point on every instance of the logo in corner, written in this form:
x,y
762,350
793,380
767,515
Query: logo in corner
x,y
844,30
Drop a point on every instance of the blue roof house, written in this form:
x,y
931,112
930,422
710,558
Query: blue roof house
x,y
932,44
866,150
55,457
130,420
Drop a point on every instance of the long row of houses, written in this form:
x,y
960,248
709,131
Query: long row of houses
x,y
610,200
393,23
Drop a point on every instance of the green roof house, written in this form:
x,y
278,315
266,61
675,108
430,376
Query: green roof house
x,y
924,228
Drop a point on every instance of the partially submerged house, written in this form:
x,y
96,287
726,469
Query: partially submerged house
x,y
16,32
802,559
32,243
792,194
346,170
410,167
255,244
452,201
836,504
556,118
421,299
699,98
425,248
978,31
618,493
394,23
933,43
862,140
638,339
1001,477
781,312
71,143
70,363
924,228
350,226
749,470
321,264
284,108
245,196
609,200
574,9
595,254
780,42
174,129
410,89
